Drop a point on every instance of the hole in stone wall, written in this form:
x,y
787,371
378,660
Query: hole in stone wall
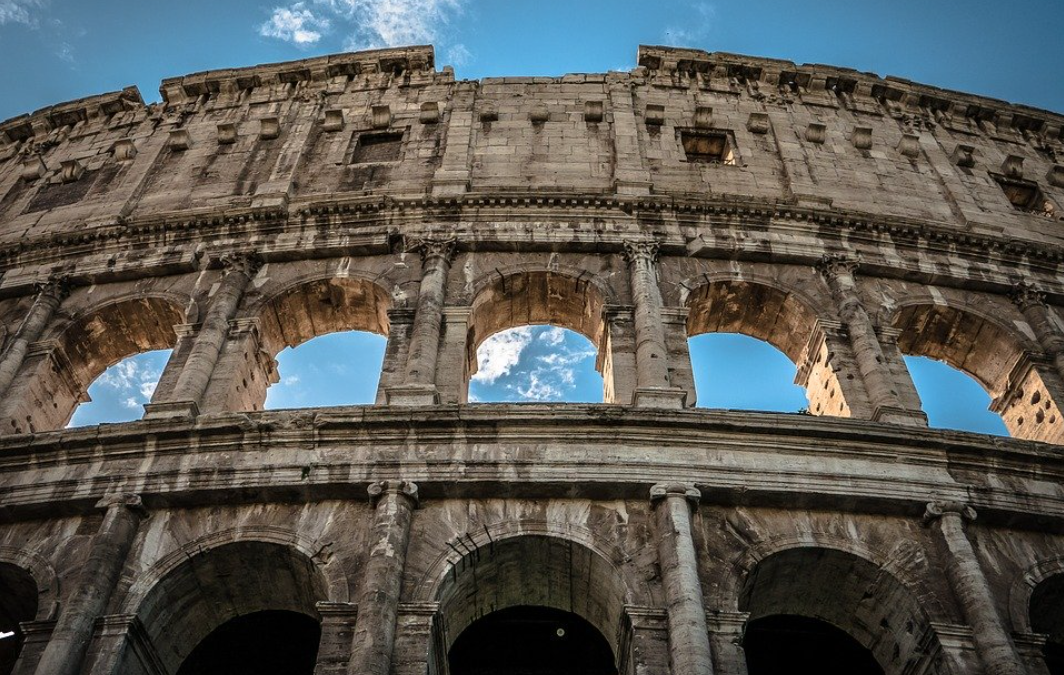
x,y
271,642
707,147
536,364
952,399
382,147
739,372
119,394
1026,196
788,644
531,641
336,369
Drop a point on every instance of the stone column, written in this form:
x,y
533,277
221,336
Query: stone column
x,y
616,359
337,628
647,649
49,296
393,369
688,635
871,362
199,366
972,590
99,576
378,599
726,637
419,387
653,388
1032,303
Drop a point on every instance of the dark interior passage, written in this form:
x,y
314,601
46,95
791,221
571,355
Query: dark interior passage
x,y
18,603
527,640
262,643
782,643
1047,617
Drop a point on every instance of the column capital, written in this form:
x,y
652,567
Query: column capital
x,y
56,287
834,265
938,509
641,249
1025,295
685,490
127,499
247,263
431,248
405,488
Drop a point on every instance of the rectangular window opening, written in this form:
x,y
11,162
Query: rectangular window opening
x,y
382,147
1025,196
707,147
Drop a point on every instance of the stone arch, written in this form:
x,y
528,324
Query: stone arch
x,y
309,307
530,569
791,320
1023,588
1004,361
43,575
527,295
848,590
208,582
82,347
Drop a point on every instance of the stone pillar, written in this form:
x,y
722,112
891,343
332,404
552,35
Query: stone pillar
x,y
378,599
681,372
49,296
653,388
1031,647
871,362
35,640
726,638
99,576
1032,303
452,370
972,590
337,628
688,635
199,366
616,359
419,387
414,652
393,370
646,651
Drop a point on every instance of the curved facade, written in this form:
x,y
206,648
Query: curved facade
x,y
846,219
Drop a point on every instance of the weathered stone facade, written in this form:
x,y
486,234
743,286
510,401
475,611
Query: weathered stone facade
x,y
846,219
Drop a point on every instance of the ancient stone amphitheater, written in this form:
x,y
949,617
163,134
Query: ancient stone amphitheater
x,y
846,219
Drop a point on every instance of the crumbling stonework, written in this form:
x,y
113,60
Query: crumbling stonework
x,y
846,219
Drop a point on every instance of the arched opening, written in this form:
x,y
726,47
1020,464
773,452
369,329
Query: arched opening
x,y
296,316
801,589
53,384
18,603
513,585
119,394
784,643
536,363
997,359
953,399
335,369
214,601
1047,618
531,641
538,305
272,642
740,372
786,323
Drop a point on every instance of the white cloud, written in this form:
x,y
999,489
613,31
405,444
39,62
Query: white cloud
x,y
393,23
132,381
500,353
295,24
701,15
20,11
131,403
553,336
539,389
458,55
290,380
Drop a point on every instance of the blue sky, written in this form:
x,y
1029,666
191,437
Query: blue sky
x,y
58,50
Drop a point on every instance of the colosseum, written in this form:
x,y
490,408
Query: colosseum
x,y
846,219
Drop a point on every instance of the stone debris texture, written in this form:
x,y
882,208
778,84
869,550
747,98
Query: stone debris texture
x,y
844,218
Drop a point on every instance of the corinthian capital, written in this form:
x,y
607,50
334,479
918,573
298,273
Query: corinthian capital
x,y
641,250
432,249
1024,295
833,265
247,264
57,287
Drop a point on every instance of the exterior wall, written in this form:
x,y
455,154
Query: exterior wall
x,y
848,228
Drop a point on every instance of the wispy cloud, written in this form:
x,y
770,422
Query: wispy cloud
x,y
296,24
20,11
131,381
691,33
370,24
500,353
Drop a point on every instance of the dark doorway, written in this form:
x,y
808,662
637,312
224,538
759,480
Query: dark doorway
x,y
261,643
1047,617
18,603
780,644
527,640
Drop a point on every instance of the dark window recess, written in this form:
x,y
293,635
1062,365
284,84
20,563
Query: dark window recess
x,y
54,195
707,148
377,148
1025,196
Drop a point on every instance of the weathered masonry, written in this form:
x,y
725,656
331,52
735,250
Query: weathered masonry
x,y
846,219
